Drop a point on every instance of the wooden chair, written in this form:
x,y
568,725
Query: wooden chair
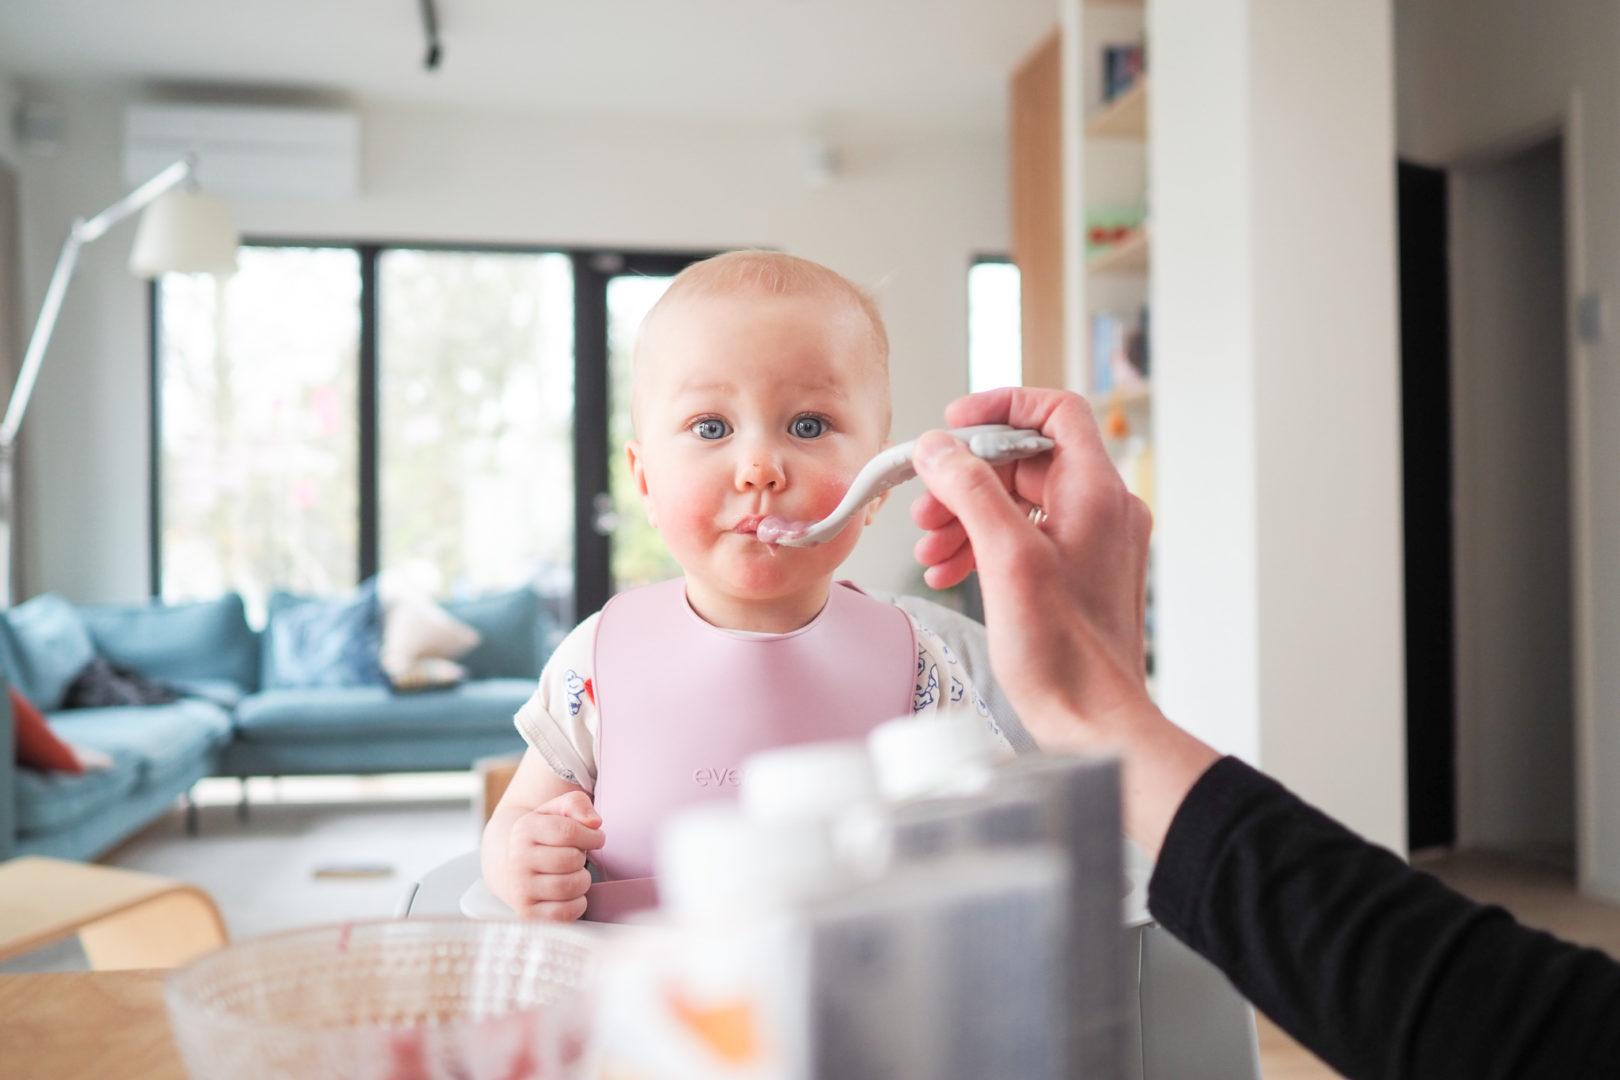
x,y
124,918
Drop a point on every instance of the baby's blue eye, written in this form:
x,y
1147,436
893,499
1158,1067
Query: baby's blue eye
x,y
712,428
809,427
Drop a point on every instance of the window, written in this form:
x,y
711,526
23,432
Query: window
x,y
258,447
995,337
475,413
444,414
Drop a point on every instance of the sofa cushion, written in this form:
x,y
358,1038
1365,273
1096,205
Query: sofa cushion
x,y
176,643
52,647
375,712
161,740
312,642
47,802
222,692
508,624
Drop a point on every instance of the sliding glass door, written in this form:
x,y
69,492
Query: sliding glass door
x,y
475,404
257,439
451,416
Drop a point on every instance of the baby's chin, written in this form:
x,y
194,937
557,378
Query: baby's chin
x,y
762,572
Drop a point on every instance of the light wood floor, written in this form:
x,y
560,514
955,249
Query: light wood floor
x,y
1537,897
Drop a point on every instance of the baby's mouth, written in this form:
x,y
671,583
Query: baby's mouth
x,y
748,525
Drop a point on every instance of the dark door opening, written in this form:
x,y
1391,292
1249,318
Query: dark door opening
x,y
1431,745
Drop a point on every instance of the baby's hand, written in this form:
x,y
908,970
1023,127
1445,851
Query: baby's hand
x,y
545,858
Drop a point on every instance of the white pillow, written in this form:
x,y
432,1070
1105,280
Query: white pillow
x,y
415,628
428,673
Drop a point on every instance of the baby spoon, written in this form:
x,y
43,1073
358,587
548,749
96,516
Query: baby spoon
x,y
995,443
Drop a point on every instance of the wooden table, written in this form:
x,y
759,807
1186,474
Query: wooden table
x,y
99,1025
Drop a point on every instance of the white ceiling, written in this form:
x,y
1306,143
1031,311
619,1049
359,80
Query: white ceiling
x,y
942,62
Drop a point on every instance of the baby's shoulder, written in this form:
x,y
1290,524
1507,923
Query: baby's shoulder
x,y
576,651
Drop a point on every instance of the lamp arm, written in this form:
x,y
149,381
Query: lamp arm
x,y
83,232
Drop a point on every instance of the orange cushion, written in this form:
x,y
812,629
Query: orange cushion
x,y
37,745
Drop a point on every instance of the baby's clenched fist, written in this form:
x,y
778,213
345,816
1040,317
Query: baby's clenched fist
x,y
545,875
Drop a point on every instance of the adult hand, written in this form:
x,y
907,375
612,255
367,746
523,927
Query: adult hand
x,y
546,848
1064,601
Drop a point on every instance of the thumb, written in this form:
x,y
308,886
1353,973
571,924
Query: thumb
x,y
967,486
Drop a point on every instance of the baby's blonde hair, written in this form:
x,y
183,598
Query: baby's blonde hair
x,y
772,273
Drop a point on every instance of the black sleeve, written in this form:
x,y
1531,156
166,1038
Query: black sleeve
x,y
1376,967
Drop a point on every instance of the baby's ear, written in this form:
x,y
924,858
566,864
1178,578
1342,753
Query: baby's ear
x,y
638,473
876,504
873,507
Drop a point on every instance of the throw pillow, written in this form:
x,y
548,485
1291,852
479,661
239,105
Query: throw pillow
x,y
38,747
52,647
104,684
510,625
197,640
415,628
428,673
316,642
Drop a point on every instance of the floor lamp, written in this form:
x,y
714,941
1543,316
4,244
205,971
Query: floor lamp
x,y
182,231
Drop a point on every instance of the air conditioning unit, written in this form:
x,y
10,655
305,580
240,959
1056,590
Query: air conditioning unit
x,y
249,152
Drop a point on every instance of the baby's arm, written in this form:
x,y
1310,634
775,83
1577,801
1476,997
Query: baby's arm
x,y
535,844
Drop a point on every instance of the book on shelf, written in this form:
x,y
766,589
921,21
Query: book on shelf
x,y
1108,226
1120,354
1122,66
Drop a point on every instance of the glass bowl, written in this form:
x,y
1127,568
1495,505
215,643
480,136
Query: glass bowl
x,y
388,1000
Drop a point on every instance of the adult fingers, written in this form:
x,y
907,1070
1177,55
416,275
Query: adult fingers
x,y
1064,417
968,486
937,545
927,512
951,571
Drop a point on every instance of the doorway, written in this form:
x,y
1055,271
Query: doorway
x,y
1513,540
1431,704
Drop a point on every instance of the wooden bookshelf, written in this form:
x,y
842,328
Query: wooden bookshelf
x,y
1129,256
1123,118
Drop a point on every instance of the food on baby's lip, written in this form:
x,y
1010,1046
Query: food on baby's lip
x,y
774,530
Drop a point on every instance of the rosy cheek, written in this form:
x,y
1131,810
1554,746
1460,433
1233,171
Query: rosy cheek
x,y
824,493
686,518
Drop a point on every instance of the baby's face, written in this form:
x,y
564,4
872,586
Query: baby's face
x,y
747,407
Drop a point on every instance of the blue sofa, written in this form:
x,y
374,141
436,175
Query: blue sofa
x,y
228,724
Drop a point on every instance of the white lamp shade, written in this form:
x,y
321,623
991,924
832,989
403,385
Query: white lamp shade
x,y
184,232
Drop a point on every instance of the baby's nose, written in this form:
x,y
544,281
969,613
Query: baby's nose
x,y
759,472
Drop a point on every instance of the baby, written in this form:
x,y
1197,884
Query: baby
x,y
760,388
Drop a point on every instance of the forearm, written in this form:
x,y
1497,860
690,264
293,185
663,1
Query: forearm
x,y
1378,968
1159,762
492,850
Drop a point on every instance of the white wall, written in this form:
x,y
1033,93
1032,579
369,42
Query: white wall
x,y
1474,74
8,105
1515,710
905,218
1276,393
